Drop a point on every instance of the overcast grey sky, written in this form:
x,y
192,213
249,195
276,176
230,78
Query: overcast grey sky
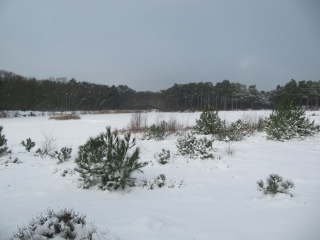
x,y
152,44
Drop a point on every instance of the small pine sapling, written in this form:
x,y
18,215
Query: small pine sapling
x,y
209,122
289,121
3,144
156,132
108,161
193,147
28,144
163,156
275,185
235,132
64,154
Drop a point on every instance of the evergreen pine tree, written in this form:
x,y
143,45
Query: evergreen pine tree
x,y
275,185
209,122
28,144
289,121
108,161
3,143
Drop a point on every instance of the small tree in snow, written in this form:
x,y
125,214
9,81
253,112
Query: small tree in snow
x,y
209,122
289,121
163,157
108,161
28,144
3,143
193,147
64,154
275,184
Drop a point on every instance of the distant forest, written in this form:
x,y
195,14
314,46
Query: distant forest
x,y
62,94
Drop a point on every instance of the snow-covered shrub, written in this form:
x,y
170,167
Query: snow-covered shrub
x,y
193,147
64,154
209,122
28,144
163,156
235,132
62,224
108,161
8,160
289,121
156,131
3,143
275,184
159,182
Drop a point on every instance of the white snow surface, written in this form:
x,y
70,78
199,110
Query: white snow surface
x,y
218,198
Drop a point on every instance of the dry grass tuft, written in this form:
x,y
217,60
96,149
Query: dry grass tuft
x,y
68,116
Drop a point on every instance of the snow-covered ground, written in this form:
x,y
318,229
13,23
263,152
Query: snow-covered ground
x,y
218,199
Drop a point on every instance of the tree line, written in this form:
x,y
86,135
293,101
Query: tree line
x,y
60,94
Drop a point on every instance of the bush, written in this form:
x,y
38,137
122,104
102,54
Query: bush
x,y
235,132
28,144
157,132
275,185
209,122
64,154
193,147
63,224
108,162
163,156
3,144
160,181
289,121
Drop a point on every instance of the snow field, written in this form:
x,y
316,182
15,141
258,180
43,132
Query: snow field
x,y
217,200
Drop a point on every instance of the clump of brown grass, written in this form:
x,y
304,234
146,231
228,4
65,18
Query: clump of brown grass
x,y
68,116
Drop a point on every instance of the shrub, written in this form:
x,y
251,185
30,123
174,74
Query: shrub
x,y
157,132
275,184
159,182
108,162
193,147
289,121
209,122
62,224
235,132
3,143
28,144
163,156
64,154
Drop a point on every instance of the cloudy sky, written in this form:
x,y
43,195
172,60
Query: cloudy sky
x,y
152,44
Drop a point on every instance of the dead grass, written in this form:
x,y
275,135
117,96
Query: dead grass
x,y
69,116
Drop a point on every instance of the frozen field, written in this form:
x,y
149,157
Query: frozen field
x,y
218,199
